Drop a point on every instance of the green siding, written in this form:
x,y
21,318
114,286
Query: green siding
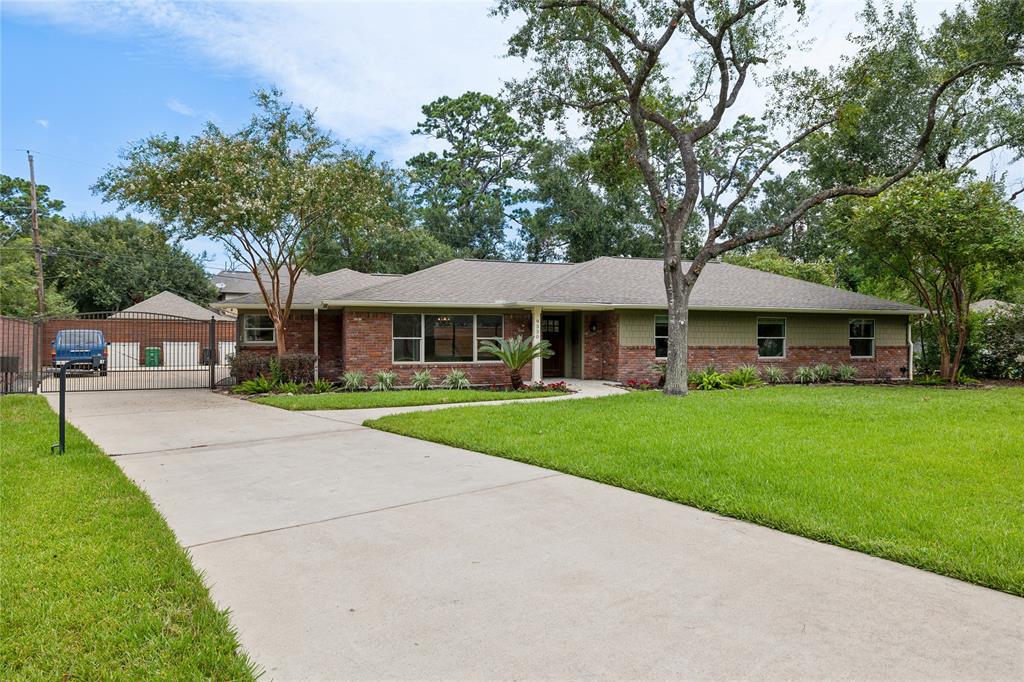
x,y
712,328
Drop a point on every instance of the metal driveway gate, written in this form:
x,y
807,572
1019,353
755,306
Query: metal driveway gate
x,y
114,352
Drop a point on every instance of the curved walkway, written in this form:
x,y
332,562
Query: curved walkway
x,y
345,552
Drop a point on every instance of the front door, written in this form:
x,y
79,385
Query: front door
x,y
552,329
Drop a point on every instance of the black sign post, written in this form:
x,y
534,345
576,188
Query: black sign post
x,y
59,447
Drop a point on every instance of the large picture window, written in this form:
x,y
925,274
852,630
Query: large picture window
x,y
661,337
862,338
443,338
771,337
258,329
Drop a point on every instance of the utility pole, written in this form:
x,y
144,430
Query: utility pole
x,y
36,242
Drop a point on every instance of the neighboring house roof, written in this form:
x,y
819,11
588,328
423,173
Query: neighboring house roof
x,y
167,303
234,282
606,282
312,290
991,305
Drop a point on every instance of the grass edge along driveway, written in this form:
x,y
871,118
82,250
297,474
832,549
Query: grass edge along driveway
x,y
94,584
400,398
930,478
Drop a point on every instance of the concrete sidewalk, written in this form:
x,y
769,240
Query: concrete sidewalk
x,y
346,553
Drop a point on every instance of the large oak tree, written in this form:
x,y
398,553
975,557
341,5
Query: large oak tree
x,y
618,62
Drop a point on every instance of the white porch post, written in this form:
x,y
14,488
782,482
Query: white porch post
x,y
316,343
537,366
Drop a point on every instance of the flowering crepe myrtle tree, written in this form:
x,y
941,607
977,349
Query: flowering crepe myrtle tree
x,y
272,193
618,63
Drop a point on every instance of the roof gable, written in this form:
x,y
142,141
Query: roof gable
x,y
168,303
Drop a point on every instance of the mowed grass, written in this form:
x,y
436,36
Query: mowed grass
x,y
369,399
93,583
927,477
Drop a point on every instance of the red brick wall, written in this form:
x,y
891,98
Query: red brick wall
x,y
16,341
299,339
147,332
635,361
367,348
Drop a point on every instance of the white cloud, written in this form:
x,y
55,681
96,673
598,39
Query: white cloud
x,y
179,107
43,122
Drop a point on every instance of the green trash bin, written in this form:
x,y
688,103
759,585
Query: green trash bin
x,y
152,357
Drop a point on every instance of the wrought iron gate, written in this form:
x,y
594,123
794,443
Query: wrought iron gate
x,y
114,352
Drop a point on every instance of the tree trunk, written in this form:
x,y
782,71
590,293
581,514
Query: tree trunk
x,y
517,379
280,327
676,370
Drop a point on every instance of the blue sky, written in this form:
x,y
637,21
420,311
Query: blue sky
x,y
81,80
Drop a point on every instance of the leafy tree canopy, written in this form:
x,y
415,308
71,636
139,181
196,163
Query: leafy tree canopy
x,y
16,208
464,193
111,263
768,259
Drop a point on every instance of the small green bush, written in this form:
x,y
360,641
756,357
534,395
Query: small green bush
x,y
258,384
804,375
297,367
385,380
846,373
823,372
321,386
774,375
247,364
455,379
353,381
744,375
293,387
422,379
709,379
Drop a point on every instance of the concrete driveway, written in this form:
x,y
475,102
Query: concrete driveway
x,y
346,553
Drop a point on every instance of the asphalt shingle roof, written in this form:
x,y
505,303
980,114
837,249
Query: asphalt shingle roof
x,y
314,289
167,303
609,281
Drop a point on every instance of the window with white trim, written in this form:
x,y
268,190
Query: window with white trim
x,y
862,338
443,338
407,337
488,328
771,337
258,329
661,337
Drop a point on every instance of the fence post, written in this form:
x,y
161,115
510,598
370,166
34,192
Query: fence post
x,y
37,338
213,352
59,447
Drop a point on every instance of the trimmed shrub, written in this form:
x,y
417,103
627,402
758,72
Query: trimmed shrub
x,y
774,375
422,379
455,379
246,365
353,381
297,367
385,380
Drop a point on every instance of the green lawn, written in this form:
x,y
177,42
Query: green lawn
x,y
93,583
404,398
929,477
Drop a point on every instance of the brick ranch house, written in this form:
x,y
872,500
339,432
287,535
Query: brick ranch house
x,y
605,319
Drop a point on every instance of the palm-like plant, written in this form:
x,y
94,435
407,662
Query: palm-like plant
x,y
516,353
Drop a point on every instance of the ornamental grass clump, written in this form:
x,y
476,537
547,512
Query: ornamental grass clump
x,y
516,353
385,380
321,386
353,381
744,376
804,375
823,372
709,379
456,379
846,373
774,375
256,385
422,379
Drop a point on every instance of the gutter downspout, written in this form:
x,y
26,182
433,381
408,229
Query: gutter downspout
x,y
537,367
316,343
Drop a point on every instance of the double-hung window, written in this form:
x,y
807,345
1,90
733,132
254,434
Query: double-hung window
x,y
660,337
862,338
258,329
443,338
771,337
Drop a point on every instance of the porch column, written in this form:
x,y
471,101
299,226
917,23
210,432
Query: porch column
x,y
536,368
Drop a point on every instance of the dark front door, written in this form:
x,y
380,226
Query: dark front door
x,y
552,329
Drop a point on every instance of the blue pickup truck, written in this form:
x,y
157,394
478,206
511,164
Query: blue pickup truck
x,y
80,349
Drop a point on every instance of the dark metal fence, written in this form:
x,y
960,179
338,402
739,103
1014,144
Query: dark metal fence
x,y
114,351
